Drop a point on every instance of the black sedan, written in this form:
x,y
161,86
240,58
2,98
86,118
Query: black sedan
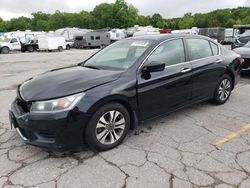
x,y
245,54
128,82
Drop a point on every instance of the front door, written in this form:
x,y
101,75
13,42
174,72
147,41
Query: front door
x,y
166,90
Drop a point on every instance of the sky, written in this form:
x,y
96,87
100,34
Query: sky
x,y
167,8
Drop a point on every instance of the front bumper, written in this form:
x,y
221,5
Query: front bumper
x,y
58,131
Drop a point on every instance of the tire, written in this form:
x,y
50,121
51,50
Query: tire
x,y
60,49
223,90
101,132
30,49
68,47
5,50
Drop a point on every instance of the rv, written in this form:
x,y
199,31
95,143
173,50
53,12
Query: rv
x,y
69,35
117,34
147,30
92,39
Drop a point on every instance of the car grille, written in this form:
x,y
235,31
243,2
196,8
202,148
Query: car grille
x,y
246,63
23,105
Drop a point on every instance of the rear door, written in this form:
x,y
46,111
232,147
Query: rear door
x,y
207,66
166,90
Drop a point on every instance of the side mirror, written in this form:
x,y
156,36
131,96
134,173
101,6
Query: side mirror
x,y
154,67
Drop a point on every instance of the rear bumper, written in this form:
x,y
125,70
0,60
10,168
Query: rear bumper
x,y
57,131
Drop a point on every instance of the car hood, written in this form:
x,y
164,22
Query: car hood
x,y
66,81
243,51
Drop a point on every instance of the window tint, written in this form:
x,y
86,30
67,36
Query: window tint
x,y
198,48
170,53
244,39
92,38
97,38
215,48
13,40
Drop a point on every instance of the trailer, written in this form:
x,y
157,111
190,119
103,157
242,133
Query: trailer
x,y
147,30
192,31
117,34
50,43
69,35
216,33
92,39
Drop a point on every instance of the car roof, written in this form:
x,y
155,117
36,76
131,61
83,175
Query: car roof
x,y
163,37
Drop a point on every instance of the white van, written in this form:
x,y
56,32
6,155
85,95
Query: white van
x,y
50,43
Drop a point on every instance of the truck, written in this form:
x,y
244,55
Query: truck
x,y
216,33
50,43
19,40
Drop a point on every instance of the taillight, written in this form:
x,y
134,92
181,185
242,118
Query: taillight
x,y
240,59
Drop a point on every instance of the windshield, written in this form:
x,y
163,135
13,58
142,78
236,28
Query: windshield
x,y
6,40
247,44
118,56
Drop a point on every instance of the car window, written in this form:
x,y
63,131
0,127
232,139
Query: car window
x,y
215,48
198,48
244,39
13,40
171,52
119,55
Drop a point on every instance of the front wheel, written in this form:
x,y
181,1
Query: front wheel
x,y
5,50
108,127
223,90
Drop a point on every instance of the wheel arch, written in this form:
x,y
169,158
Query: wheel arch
x,y
232,77
121,99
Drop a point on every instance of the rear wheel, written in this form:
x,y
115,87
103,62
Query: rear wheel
x,y
108,127
60,49
223,90
68,47
5,50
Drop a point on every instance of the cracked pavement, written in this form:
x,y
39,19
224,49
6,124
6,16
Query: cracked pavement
x,y
176,150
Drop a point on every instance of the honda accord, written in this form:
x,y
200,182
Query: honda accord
x,y
133,80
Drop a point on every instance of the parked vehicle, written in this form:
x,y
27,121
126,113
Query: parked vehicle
x,y
245,54
229,36
164,31
49,43
241,30
147,30
240,42
130,81
242,33
216,33
18,40
30,47
10,45
117,34
93,39
69,35
192,31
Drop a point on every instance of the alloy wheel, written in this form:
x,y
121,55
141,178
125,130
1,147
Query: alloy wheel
x,y
110,127
224,89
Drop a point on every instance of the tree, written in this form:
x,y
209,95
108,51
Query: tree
x,y
157,21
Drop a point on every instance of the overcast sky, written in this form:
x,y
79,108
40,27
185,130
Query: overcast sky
x,y
167,8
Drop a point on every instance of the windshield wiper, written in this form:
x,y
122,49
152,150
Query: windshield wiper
x,y
91,67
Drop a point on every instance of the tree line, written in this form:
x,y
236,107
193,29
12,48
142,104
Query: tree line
x,y
123,15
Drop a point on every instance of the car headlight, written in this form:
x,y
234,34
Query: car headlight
x,y
56,105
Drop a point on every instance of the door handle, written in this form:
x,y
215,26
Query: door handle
x,y
218,61
186,70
